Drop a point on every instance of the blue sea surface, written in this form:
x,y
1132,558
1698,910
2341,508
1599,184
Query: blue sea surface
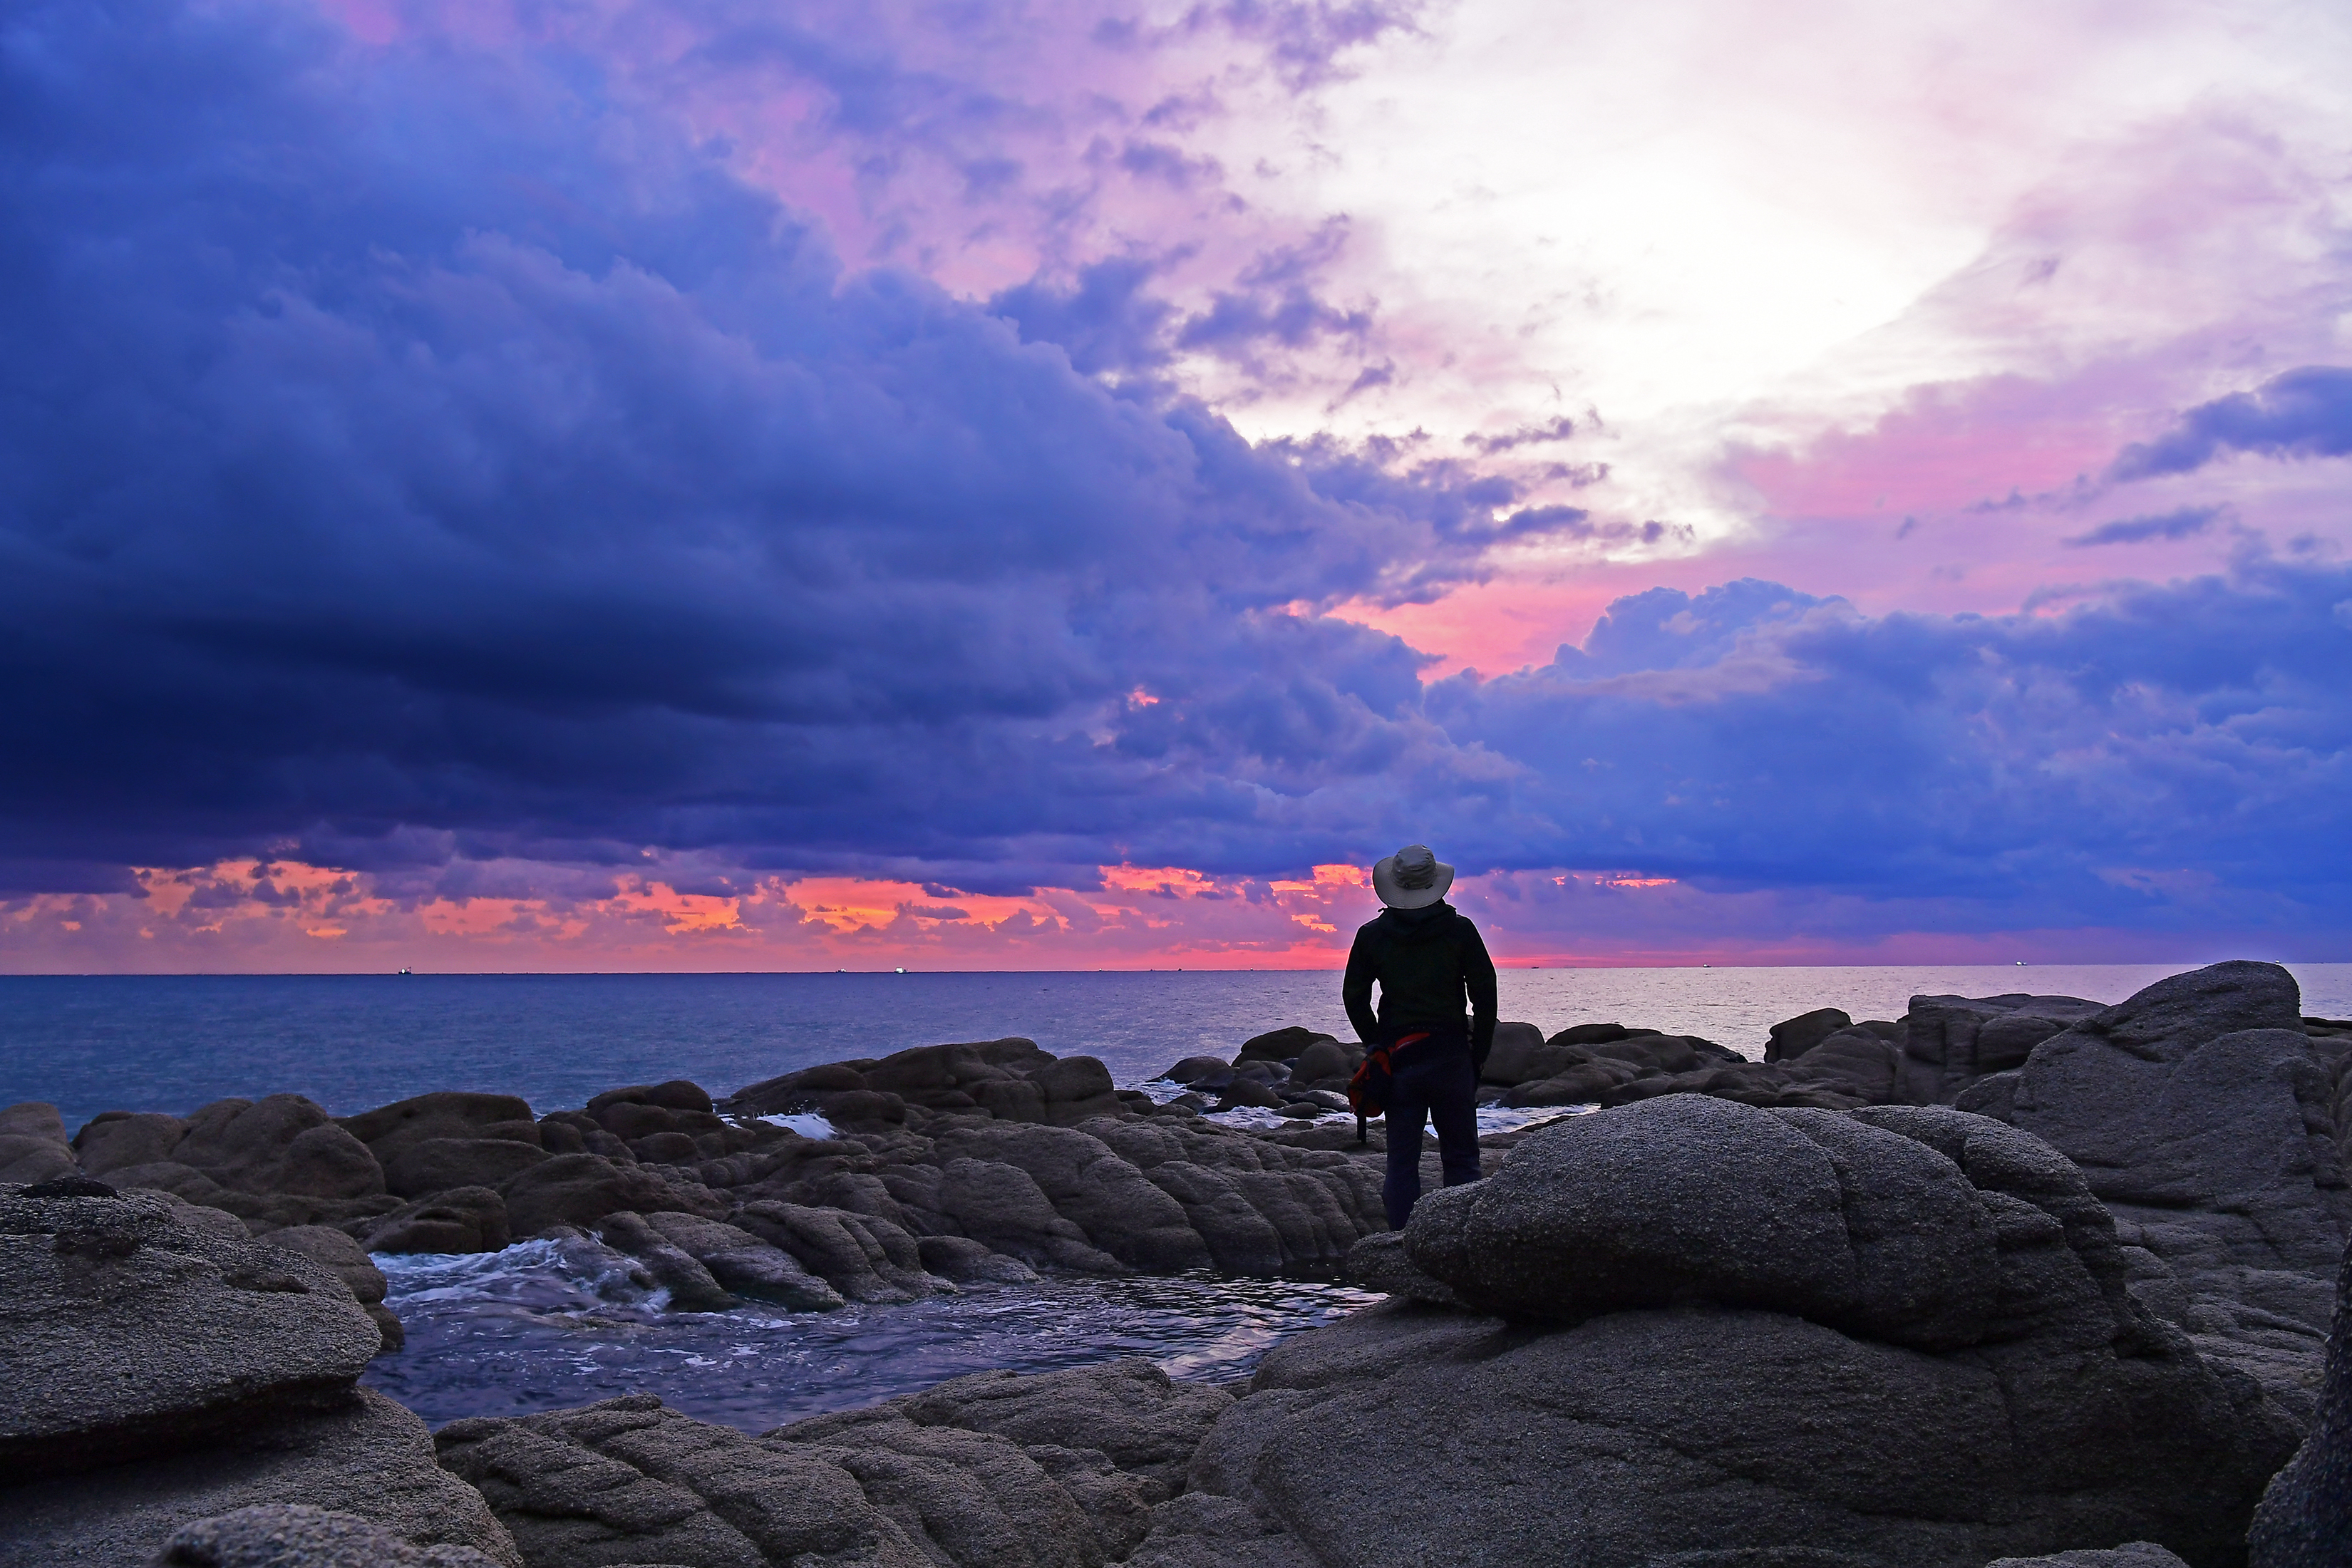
x,y
87,1044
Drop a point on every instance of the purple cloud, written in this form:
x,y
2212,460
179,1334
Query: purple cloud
x,y
2305,413
1552,430
483,479
1104,320
2177,524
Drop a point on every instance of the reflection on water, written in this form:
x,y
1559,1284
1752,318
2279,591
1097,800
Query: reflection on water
x,y
547,1324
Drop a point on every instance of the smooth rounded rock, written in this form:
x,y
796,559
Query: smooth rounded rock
x,y
443,1113
33,1146
463,1219
437,1165
1792,1037
1672,1199
579,1190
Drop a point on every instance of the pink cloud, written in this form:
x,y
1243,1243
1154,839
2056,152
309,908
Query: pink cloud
x,y
284,917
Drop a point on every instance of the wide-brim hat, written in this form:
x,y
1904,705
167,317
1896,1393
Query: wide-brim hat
x,y
1411,879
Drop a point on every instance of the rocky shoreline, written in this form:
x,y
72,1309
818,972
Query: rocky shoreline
x,y
2005,1277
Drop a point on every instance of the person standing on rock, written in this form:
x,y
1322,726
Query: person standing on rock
x,y
1429,961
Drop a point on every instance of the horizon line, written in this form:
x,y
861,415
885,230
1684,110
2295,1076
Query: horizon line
x,y
909,973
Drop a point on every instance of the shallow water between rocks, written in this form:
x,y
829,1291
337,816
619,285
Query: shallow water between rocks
x,y
540,1327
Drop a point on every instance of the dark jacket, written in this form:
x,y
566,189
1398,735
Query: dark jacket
x,y
1429,964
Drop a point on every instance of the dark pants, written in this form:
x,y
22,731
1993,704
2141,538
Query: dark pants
x,y
1443,1090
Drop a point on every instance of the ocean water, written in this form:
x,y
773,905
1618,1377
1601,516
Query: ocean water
x,y
87,1044
540,1326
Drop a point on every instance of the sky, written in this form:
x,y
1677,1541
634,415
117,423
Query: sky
x,y
690,484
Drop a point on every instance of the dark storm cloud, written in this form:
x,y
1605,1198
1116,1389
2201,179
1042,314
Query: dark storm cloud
x,y
2305,413
383,454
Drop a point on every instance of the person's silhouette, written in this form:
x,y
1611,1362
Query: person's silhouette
x,y
1429,961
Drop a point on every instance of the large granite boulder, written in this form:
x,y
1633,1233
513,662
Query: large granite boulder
x,y
1116,1437
280,1143
365,1456
1200,1529
1038,1161
1903,1335
1866,1062
1117,1206
1284,1044
1796,1210
1328,1062
1009,1079
2212,1120
276,1162
390,1131
129,1324
33,1146
120,1140
348,1261
1514,1056
1380,1263
745,1266
981,1498
578,1190
463,1219
1104,1196
1259,1205
1950,1042
2201,1114
159,1367
1609,1064
429,1166
1569,1077
855,1256
2305,1517
1792,1037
